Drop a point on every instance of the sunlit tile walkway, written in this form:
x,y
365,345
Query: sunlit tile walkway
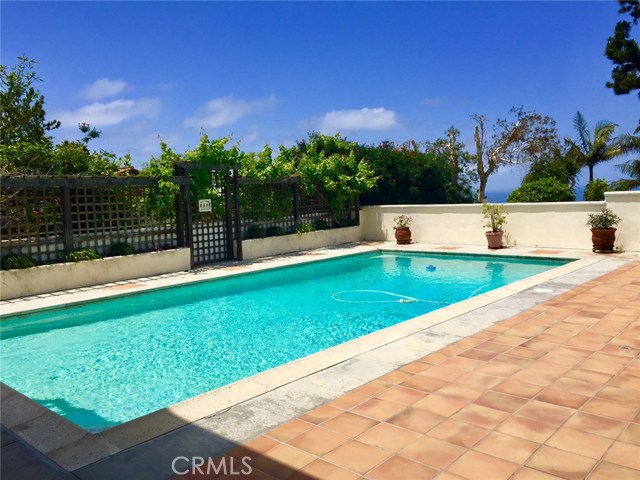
x,y
553,392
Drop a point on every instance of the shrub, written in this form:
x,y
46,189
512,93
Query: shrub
x,y
305,228
321,225
402,221
594,191
494,216
254,231
544,190
347,222
275,231
18,261
409,176
82,255
120,249
604,219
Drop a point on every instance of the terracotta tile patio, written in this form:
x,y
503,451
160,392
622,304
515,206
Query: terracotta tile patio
x,y
553,392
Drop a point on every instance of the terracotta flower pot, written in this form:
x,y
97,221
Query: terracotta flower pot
x,y
494,239
403,235
603,239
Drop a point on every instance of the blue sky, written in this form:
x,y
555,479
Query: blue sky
x,y
270,72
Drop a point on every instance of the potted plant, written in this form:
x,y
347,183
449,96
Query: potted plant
x,y
494,217
403,232
603,235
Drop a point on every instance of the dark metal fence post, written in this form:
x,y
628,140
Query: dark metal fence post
x,y
184,216
186,196
238,225
228,225
67,221
179,206
296,205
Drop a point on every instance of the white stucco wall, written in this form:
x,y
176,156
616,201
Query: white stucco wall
x,y
553,225
627,206
65,276
266,247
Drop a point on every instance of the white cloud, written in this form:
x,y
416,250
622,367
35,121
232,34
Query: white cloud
x,y
105,114
363,119
104,88
223,111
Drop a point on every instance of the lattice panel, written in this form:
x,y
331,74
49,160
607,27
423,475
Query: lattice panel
x,y
277,207
102,216
316,210
267,208
31,220
209,241
33,217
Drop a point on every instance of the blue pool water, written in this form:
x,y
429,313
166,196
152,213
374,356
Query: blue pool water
x,y
107,362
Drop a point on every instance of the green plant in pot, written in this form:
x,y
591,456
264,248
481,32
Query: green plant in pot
x,y
403,232
494,217
603,233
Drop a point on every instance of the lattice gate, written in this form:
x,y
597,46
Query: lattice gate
x,y
212,215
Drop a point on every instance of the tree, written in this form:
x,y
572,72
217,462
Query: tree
x,y
88,132
557,164
602,147
407,175
514,142
25,146
22,114
624,52
460,161
631,168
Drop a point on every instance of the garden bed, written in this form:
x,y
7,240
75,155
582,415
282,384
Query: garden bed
x,y
66,276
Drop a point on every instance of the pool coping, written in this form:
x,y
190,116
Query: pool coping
x,y
73,447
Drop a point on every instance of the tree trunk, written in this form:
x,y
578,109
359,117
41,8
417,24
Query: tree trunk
x,y
478,138
482,187
591,173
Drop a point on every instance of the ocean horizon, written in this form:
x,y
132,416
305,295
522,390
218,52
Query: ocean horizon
x,y
500,196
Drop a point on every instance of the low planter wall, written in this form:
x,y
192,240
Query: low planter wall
x,y
266,247
65,276
553,225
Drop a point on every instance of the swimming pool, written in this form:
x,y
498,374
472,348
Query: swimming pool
x,y
104,363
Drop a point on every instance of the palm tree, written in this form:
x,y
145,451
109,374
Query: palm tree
x,y
630,144
602,147
631,169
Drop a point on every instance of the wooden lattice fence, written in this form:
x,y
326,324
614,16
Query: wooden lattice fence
x,y
47,217
280,206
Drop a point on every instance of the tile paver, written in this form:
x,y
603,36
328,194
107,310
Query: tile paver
x,y
553,392
389,437
349,423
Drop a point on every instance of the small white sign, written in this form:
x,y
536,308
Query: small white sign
x,y
204,205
